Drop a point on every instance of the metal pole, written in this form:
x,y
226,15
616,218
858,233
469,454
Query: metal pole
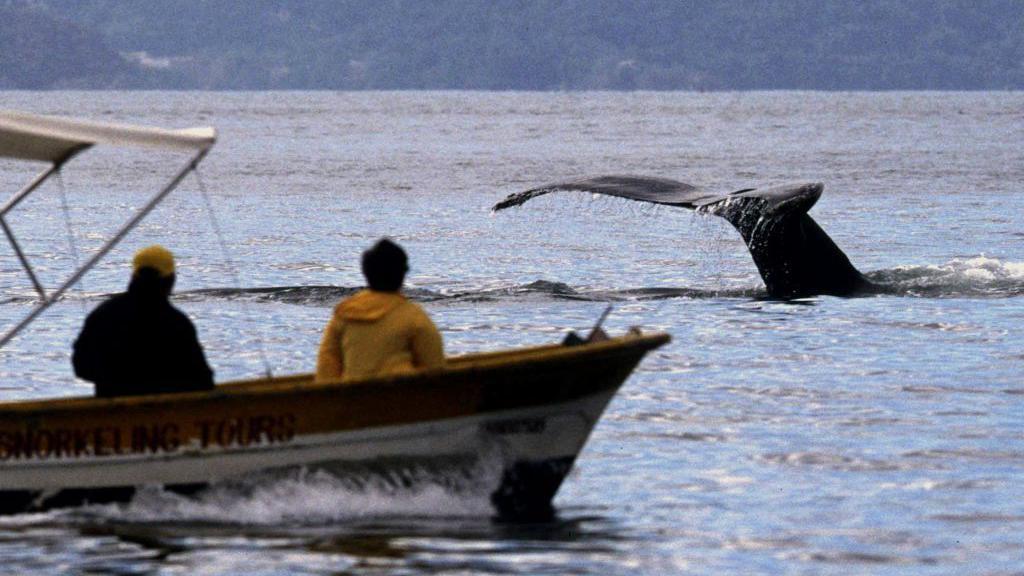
x,y
145,210
17,198
21,256
35,183
10,205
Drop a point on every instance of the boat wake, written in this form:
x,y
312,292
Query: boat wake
x,y
315,497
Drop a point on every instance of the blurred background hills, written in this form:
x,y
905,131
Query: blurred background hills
x,y
512,44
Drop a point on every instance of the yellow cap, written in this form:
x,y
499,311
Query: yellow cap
x,y
156,257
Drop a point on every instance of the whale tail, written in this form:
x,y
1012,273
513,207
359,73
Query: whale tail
x,y
794,256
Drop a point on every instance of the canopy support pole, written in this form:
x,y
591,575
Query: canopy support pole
x,y
30,188
21,256
142,213
10,205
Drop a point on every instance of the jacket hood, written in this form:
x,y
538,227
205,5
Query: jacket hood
x,y
368,305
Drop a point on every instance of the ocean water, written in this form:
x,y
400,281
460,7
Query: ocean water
x,y
873,435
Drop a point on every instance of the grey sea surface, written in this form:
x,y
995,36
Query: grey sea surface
x,y
874,435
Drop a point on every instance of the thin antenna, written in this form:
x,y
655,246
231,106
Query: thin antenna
x,y
72,245
232,269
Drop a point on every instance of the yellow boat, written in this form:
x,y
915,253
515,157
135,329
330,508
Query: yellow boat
x,y
531,408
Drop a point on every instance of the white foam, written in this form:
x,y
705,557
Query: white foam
x,y
980,275
31,519
318,497
979,266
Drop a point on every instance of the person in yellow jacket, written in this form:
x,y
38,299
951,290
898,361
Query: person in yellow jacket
x,y
377,331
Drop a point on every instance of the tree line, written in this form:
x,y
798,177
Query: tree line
x,y
513,44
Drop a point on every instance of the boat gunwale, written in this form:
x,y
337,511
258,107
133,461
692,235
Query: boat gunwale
x,y
463,365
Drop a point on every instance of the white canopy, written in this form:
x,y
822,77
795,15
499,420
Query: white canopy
x,y
51,139
55,140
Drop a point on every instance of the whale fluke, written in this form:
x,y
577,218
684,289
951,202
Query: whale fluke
x,y
639,188
794,256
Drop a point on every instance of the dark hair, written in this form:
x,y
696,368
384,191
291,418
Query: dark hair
x,y
385,265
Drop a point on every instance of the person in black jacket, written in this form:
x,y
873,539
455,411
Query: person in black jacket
x,y
136,342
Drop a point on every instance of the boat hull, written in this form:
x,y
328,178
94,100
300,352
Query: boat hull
x,y
529,412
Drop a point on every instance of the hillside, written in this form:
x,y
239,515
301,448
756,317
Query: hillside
x,y
521,44
41,50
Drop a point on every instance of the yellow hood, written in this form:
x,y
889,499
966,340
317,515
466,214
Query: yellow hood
x,y
368,305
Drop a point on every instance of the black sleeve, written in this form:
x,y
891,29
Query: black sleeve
x,y
84,357
196,371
